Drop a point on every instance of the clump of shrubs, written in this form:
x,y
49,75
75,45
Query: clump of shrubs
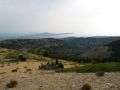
x,y
100,73
86,87
16,56
51,65
14,70
60,65
21,58
12,84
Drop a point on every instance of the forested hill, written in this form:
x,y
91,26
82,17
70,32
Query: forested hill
x,y
91,42
115,48
59,48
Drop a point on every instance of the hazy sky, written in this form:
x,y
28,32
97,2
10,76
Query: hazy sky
x,y
83,17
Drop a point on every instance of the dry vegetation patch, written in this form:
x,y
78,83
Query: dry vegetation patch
x,y
12,84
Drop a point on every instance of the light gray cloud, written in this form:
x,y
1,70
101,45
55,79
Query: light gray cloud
x,y
83,17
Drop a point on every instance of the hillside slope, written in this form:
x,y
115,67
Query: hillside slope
x,y
111,50
10,55
67,48
98,52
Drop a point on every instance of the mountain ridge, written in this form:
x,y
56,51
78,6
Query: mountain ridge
x,y
58,48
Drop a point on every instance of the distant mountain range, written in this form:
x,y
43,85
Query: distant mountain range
x,y
4,36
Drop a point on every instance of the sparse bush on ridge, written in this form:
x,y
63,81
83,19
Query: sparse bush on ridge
x,y
56,62
15,56
12,84
51,65
21,58
60,65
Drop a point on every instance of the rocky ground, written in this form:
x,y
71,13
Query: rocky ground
x,y
46,80
49,80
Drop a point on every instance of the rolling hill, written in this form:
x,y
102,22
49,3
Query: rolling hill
x,y
66,48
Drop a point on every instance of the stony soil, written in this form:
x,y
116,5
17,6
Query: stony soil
x,y
50,80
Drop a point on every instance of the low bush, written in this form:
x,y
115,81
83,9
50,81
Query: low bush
x,y
14,70
21,58
12,84
100,73
60,65
51,65
16,56
86,87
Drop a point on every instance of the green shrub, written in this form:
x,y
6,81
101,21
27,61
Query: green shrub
x,y
51,66
12,84
15,56
57,61
60,65
21,58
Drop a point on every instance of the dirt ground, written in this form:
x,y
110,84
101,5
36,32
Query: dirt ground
x,y
34,79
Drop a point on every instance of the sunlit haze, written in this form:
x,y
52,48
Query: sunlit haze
x,y
81,17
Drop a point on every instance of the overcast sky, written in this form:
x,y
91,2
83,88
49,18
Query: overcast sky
x,y
82,17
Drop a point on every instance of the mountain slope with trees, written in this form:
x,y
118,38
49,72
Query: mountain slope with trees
x,y
75,49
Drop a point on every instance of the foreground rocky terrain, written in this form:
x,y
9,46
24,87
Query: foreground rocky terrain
x,y
30,78
48,80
